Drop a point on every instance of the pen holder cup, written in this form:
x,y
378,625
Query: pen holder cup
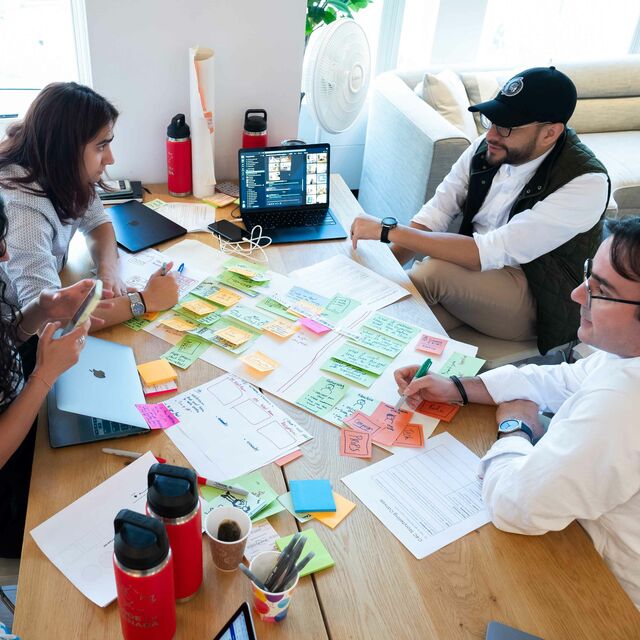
x,y
227,555
271,607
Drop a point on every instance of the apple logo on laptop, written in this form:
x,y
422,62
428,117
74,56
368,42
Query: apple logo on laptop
x,y
98,373
133,223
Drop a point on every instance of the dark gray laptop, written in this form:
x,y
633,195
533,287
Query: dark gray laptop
x,y
96,398
285,190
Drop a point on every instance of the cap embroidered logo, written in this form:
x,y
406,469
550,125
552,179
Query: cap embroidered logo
x,y
513,87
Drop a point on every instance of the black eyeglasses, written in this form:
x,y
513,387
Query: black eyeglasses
x,y
588,263
505,132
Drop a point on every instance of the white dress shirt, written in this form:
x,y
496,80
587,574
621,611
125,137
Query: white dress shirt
x,y
587,465
572,209
38,241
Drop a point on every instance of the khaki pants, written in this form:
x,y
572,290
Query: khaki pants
x,y
497,303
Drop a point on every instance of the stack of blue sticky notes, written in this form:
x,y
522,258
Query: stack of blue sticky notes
x,y
312,495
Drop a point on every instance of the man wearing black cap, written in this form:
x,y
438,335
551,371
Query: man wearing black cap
x,y
531,197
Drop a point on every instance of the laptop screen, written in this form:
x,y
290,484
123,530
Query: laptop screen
x,y
284,178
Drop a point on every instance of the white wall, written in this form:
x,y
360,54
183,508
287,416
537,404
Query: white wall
x,y
139,61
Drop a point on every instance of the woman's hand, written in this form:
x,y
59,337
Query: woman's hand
x,y
54,356
112,283
161,291
432,387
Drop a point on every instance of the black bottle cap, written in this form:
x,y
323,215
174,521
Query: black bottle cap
x,y
178,128
255,120
141,542
173,491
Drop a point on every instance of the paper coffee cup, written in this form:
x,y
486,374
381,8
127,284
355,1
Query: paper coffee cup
x,y
271,607
227,555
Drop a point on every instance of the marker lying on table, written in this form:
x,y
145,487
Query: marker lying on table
x,y
222,486
134,455
420,373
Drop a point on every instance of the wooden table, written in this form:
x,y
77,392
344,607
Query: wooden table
x,y
555,586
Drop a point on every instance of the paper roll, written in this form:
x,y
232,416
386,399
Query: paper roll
x,y
201,97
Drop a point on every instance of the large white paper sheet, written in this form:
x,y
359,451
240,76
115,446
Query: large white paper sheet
x,y
79,539
228,428
193,217
427,498
343,275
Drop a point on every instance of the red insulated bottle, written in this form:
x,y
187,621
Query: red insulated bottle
x,y
255,128
173,498
143,567
179,157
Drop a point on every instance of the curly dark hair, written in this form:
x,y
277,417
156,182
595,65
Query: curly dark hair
x,y
10,368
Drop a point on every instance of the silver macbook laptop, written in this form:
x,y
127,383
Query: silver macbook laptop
x,y
96,398
285,190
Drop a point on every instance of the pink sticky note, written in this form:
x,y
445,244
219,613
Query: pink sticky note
x,y
288,458
392,422
361,422
314,325
431,344
157,416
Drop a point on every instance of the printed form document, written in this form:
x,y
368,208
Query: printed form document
x,y
427,498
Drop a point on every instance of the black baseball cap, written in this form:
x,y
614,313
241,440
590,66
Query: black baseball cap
x,y
541,94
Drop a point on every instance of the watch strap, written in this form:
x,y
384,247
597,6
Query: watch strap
x,y
384,234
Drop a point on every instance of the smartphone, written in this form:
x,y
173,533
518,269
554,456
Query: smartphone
x,y
227,231
86,308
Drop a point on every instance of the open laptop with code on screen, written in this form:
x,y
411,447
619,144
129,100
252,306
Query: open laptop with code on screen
x,y
285,190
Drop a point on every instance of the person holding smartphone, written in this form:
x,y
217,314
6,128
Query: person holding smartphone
x,y
20,401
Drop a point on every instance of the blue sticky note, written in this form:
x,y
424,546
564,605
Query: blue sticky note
x,y
312,495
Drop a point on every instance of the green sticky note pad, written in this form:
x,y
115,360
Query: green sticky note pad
x,y
461,365
322,396
362,358
322,559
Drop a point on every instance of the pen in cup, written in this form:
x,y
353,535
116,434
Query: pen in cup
x,y
134,455
420,373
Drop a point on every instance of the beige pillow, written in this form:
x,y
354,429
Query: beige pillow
x,y
445,93
482,86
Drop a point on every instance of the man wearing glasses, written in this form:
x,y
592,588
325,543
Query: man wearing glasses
x,y
586,465
531,197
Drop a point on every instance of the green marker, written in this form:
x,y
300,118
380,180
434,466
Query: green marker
x,y
420,373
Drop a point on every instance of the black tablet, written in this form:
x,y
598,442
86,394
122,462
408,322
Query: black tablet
x,y
239,627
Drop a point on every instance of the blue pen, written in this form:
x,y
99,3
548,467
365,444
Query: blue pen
x,y
163,271
420,373
181,268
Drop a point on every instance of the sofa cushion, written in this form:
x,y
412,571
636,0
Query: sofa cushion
x,y
594,115
446,94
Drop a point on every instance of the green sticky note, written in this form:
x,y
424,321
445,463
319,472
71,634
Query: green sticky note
x,y
322,396
339,307
137,323
459,364
269,304
375,341
286,501
206,333
322,559
186,352
238,282
155,204
215,498
352,402
249,316
349,372
362,358
391,327
268,510
206,288
258,269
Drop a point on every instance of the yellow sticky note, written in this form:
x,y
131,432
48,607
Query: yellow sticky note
x,y
281,328
156,372
260,362
332,519
243,271
199,307
225,297
179,324
234,336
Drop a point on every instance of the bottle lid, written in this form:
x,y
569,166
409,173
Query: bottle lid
x,y
173,491
255,120
178,127
141,542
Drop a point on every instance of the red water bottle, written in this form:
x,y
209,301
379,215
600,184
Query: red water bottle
x,y
143,567
255,128
173,498
179,157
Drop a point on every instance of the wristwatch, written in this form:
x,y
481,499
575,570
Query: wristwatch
x,y
512,425
137,304
387,223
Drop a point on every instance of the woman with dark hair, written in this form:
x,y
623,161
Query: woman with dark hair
x,y
50,163
20,401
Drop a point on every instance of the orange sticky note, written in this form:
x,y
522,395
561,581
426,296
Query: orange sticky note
x,y
440,410
225,297
288,458
179,324
234,336
332,519
361,422
391,421
199,307
259,362
281,328
431,344
156,372
355,444
411,436
151,315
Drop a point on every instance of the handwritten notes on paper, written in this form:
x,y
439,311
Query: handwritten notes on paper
x,y
349,372
391,421
375,341
225,297
362,422
281,328
352,402
249,316
178,324
157,416
362,358
234,336
391,327
411,436
431,344
440,410
355,444
322,396
259,362
461,365
199,307
186,352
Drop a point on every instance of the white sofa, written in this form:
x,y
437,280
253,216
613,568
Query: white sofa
x,y
410,145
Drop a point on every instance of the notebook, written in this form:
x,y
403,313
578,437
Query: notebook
x,y
285,190
96,398
137,227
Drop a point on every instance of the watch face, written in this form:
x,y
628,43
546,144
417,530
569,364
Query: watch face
x,y
509,426
389,221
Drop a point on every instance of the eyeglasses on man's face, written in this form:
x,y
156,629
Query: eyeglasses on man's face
x,y
595,293
505,132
